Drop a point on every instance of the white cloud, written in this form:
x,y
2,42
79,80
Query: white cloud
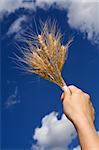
x,y
77,148
59,3
12,5
13,99
17,25
82,15
54,133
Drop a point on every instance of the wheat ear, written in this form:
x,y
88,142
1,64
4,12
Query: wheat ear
x,y
45,54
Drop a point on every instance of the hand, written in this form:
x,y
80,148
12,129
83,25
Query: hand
x,y
77,106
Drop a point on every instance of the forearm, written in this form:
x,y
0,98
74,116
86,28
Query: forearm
x,y
88,137
79,109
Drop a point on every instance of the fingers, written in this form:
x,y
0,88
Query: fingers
x,y
92,110
62,96
66,95
87,95
74,89
69,91
90,105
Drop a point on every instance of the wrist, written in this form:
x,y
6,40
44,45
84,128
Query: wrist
x,y
89,139
85,126
81,120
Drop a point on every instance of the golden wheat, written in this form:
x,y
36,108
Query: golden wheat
x,y
45,54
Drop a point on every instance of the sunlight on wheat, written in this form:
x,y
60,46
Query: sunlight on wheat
x,y
44,54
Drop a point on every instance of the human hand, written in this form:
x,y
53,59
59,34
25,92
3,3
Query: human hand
x,y
77,106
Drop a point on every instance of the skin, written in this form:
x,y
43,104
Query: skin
x,y
79,110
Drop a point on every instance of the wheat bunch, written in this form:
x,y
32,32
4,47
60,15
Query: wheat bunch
x,y
44,53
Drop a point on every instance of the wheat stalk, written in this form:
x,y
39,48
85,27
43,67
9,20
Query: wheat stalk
x,y
44,54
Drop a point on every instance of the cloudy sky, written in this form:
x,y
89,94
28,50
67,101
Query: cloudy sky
x,y
32,114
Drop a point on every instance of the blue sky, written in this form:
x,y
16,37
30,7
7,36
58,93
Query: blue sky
x,y
27,99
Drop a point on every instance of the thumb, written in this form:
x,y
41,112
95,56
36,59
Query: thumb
x,y
66,95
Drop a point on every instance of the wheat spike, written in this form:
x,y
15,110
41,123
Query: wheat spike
x,y
45,54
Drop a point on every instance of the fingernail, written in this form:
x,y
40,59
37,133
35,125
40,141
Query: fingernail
x,y
65,88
